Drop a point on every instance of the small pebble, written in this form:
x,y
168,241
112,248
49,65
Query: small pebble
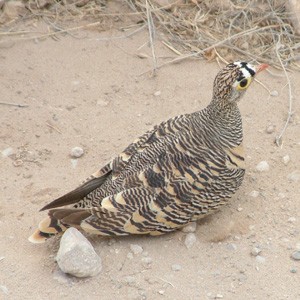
x,y
260,259
190,240
7,152
76,152
147,260
191,227
76,256
263,166
286,159
270,129
296,255
274,93
293,270
136,249
130,280
157,93
176,267
291,219
294,176
231,247
254,194
129,255
219,296
255,251
161,292
4,289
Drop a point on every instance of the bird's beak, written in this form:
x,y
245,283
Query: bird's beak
x,y
261,67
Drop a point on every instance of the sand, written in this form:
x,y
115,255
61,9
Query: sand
x,y
90,93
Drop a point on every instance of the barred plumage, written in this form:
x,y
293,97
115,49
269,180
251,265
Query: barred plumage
x,y
176,173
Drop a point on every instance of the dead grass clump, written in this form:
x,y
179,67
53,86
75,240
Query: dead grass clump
x,y
249,29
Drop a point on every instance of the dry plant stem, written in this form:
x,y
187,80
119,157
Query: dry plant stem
x,y
14,104
220,43
53,127
278,138
151,30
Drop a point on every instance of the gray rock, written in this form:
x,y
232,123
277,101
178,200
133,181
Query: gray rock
x,y
270,129
274,93
286,159
136,249
76,256
76,152
190,240
263,166
296,255
294,176
191,227
255,251
176,267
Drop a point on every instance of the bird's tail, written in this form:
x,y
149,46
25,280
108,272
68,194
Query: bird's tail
x,y
46,229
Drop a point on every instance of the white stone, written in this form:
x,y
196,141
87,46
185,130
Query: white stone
x,y
260,259
254,194
190,240
157,93
147,260
76,256
176,267
255,251
270,129
136,249
191,227
76,152
263,166
294,176
286,159
7,152
274,93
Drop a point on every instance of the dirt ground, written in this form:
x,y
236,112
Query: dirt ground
x,y
91,92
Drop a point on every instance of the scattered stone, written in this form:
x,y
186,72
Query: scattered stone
x,y
191,227
74,163
239,209
102,103
260,259
142,55
294,176
130,280
147,260
274,93
219,296
136,249
263,166
291,219
231,247
76,256
76,152
270,129
190,240
254,194
293,270
255,251
4,289
157,93
286,159
176,267
296,255
7,152
161,292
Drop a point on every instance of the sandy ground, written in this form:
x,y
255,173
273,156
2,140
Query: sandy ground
x,y
89,93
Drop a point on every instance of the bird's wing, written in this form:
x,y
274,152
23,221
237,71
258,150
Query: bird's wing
x,y
121,163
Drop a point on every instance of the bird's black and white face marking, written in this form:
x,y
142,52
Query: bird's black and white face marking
x,y
247,72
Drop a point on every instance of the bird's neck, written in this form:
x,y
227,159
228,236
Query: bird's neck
x,y
226,121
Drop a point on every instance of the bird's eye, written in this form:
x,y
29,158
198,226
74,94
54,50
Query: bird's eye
x,y
243,84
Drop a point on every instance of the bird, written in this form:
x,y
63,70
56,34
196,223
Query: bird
x,y
181,170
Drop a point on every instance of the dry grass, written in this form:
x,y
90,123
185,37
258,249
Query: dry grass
x,y
248,29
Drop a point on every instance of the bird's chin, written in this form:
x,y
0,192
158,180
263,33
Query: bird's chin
x,y
236,96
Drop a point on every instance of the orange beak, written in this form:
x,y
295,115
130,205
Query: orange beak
x,y
261,67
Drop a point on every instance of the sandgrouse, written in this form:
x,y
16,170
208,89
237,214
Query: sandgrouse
x,y
178,172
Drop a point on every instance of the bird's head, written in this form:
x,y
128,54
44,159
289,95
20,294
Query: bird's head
x,y
233,80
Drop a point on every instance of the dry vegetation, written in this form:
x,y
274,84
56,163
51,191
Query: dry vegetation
x,y
254,30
